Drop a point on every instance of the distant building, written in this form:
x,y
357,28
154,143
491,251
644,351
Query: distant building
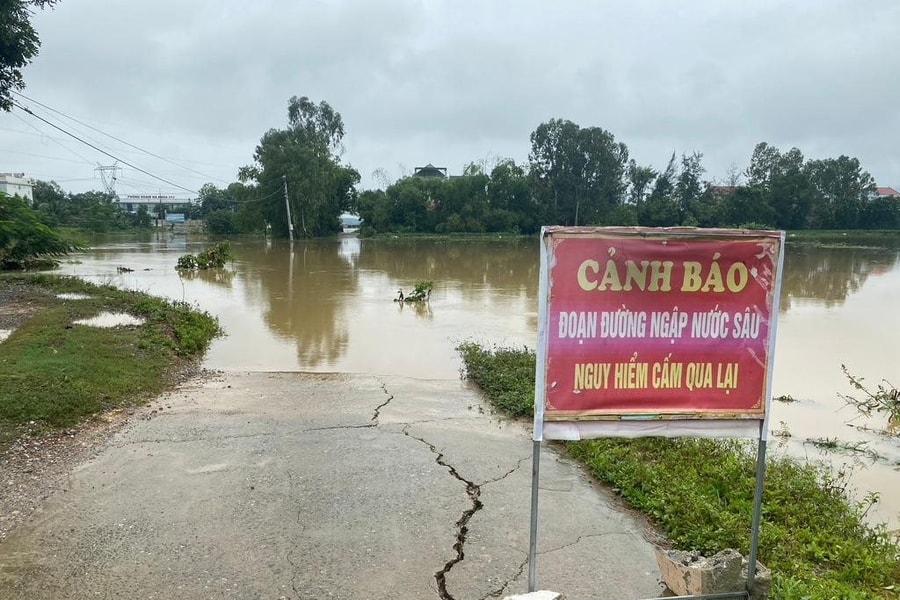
x,y
350,221
15,184
886,192
430,171
155,204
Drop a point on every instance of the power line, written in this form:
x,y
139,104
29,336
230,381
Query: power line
x,y
124,162
119,139
51,138
44,156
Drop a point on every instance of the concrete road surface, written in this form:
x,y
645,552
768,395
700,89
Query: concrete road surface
x,y
305,486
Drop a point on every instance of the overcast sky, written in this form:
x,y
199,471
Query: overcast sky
x,y
199,81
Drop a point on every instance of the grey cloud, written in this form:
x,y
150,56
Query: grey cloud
x,y
455,82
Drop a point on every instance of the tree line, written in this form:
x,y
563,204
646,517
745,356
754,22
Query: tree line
x,y
583,176
97,212
573,176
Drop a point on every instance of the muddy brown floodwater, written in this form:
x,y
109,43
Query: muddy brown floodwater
x,y
327,305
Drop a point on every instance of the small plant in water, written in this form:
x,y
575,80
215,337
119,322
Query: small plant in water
x,y
421,292
884,399
215,257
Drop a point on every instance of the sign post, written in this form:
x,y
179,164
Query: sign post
x,y
655,332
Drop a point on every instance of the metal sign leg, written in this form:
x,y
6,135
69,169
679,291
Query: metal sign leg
x,y
757,510
532,546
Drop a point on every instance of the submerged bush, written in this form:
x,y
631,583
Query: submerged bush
x,y
215,257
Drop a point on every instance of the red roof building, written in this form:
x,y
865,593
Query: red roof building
x,y
886,192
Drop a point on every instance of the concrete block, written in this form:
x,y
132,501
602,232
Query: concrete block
x,y
688,574
762,583
541,595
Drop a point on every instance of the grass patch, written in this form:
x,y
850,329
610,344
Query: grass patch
x,y
700,494
56,373
505,374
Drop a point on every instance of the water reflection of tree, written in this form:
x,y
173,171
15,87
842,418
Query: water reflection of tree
x,y
831,274
223,277
476,266
306,295
420,309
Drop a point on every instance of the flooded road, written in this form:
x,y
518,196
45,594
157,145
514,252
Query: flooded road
x,y
327,306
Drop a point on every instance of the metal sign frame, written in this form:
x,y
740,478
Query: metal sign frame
x,y
672,425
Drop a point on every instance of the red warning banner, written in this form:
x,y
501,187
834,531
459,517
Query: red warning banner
x,y
658,322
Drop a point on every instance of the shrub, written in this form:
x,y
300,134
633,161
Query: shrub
x,y
215,257
25,241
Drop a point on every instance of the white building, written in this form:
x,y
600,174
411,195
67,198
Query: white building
x,y
15,184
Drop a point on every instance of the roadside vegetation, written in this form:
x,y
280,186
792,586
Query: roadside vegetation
x,y
56,372
26,242
813,535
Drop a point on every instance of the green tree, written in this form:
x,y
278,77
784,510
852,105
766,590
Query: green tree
x,y
307,155
213,199
95,211
374,208
640,182
248,209
785,183
141,218
19,44
412,199
880,213
841,188
24,239
661,209
220,222
689,186
578,173
748,205
465,197
49,200
512,206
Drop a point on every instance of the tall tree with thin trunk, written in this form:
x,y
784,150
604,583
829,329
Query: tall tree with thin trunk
x,y
307,154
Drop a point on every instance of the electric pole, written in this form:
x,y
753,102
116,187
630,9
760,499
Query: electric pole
x,y
287,206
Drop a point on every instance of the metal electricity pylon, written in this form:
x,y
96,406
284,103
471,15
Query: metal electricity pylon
x,y
109,175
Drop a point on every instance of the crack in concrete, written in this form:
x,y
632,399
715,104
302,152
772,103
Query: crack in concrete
x,y
499,591
374,424
462,525
579,539
441,420
508,473
333,427
502,589
290,554
294,567
378,408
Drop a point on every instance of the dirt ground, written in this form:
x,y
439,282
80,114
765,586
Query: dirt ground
x,y
34,461
18,301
